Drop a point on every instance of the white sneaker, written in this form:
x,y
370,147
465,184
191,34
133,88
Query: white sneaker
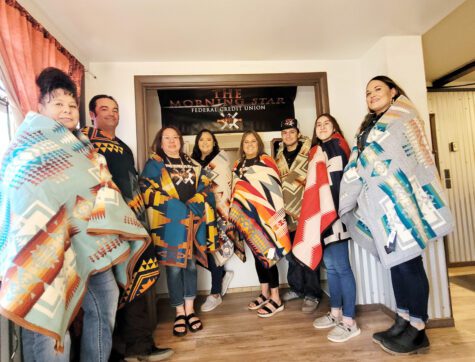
x,y
211,303
326,321
228,276
342,332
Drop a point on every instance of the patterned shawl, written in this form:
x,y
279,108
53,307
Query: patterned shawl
x,y
257,213
179,229
218,172
120,162
62,219
391,198
293,181
318,206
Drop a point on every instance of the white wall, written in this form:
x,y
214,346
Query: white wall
x,y
117,79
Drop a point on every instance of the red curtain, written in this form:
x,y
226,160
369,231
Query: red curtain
x,y
27,48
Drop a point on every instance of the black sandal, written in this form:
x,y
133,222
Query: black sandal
x,y
270,309
191,325
258,302
179,325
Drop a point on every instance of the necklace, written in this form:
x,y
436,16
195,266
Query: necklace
x,y
243,169
180,173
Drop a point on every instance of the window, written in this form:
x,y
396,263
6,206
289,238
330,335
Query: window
x,y
6,128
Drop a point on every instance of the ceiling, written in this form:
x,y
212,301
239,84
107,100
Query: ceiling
x,y
451,44
225,30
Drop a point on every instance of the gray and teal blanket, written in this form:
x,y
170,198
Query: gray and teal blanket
x,y
62,219
391,199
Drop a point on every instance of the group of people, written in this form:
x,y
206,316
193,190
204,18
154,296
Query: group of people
x,y
81,228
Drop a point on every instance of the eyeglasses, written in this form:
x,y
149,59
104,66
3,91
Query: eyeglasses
x,y
171,138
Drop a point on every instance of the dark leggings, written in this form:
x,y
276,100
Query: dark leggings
x,y
411,288
217,273
267,276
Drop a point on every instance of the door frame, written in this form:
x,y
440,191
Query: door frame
x,y
317,80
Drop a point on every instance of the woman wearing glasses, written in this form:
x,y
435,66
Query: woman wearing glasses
x,y
175,192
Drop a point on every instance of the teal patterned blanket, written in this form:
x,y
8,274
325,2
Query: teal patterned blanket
x,y
62,219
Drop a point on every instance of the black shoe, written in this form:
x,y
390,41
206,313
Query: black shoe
x,y
410,341
155,354
396,329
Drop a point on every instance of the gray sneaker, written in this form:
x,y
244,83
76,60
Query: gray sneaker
x,y
290,295
155,354
309,305
342,332
211,303
326,321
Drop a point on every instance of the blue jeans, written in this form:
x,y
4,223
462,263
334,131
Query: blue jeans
x,y
181,283
411,289
37,347
100,306
341,280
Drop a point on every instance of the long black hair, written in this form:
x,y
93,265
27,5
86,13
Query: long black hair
x,y
51,79
336,128
392,85
196,154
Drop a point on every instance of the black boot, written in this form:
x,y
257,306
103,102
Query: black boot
x,y
410,341
396,329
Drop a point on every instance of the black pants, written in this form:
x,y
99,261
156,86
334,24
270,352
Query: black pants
x,y
303,280
217,274
135,323
411,288
267,275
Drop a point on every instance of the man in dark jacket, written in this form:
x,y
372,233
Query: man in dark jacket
x,y
136,320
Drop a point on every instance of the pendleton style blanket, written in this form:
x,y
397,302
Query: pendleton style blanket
x,y
218,172
391,199
318,217
62,219
120,162
293,181
257,213
179,229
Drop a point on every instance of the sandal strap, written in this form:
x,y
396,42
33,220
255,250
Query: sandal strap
x,y
274,304
191,324
262,298
180,317
267,309
189,316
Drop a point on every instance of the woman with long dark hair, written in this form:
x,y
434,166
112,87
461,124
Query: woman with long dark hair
x,y
175,192
215,164
393,204
327,159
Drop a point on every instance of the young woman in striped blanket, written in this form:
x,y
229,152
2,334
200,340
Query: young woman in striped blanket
x,y
257,218
330,150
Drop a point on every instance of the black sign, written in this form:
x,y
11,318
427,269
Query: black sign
x,y
227,110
